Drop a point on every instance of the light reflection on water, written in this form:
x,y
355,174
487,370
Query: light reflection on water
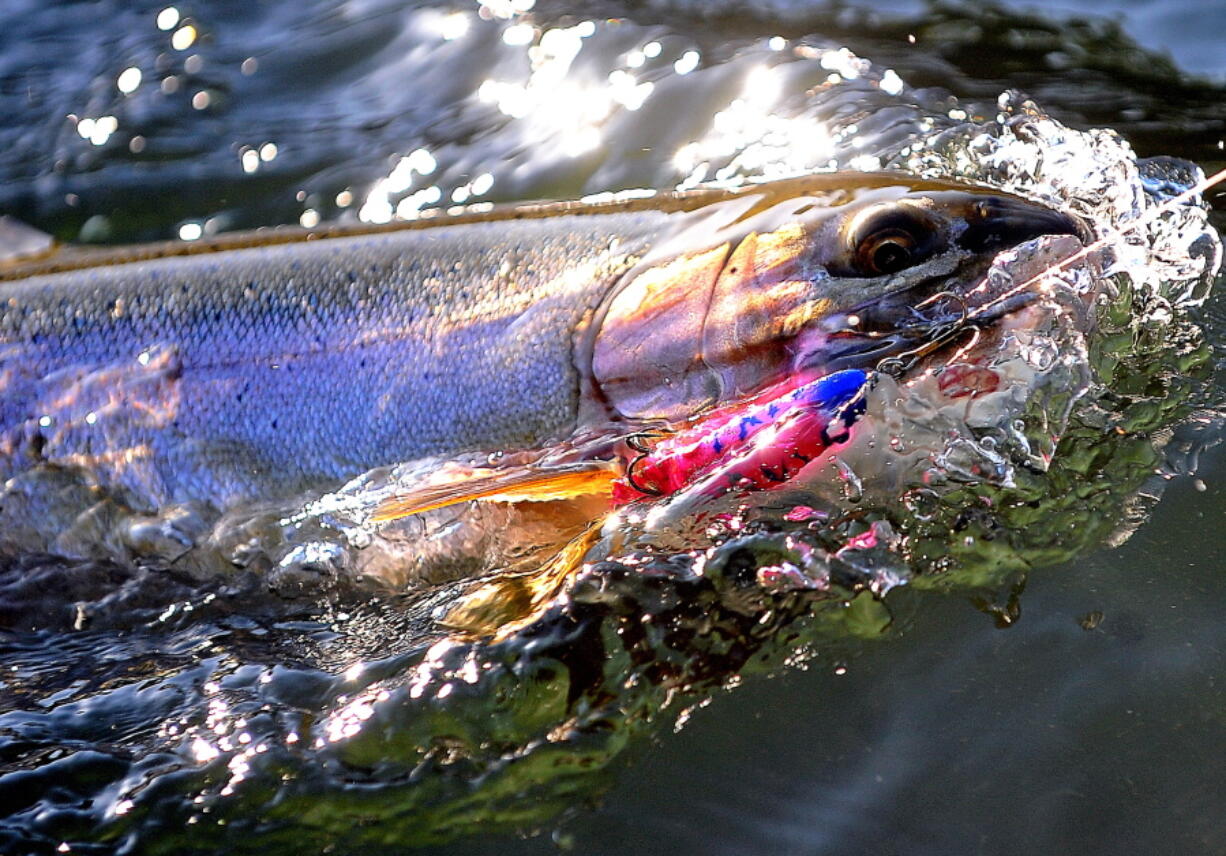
x,y
518,134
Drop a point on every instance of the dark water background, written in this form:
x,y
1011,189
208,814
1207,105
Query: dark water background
x,y
1095,723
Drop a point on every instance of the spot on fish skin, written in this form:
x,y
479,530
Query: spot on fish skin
x,y
963,379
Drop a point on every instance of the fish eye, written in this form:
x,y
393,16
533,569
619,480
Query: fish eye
x,y
885,241
885,252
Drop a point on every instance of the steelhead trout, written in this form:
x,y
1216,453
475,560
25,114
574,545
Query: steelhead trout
x,y
263,364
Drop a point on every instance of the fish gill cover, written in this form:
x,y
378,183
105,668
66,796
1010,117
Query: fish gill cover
x,y
410,718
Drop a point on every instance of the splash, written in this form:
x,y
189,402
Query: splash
x,y
1021,447
983,421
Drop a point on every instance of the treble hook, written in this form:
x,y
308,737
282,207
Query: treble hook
x,y
638,440
939,335
958,298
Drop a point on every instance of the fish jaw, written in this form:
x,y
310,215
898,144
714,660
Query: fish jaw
x,y
896,331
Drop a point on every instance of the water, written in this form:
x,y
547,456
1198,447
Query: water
x,y
1092,722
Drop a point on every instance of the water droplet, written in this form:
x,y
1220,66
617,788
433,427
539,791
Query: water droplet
x,y
852,487
168,18
183,38
687,63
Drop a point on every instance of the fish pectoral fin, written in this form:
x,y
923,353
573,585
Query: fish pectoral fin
x,y
520,484
502,605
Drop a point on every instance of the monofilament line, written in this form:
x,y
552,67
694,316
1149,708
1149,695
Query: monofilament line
x,y
1169,205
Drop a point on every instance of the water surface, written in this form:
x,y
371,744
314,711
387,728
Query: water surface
x,y
1092,721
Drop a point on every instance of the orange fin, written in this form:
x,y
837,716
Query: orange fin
x,y
507,602
524,484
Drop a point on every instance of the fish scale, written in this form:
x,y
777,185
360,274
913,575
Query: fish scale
x,y
230,373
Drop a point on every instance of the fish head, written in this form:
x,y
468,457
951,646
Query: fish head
x,y
822,279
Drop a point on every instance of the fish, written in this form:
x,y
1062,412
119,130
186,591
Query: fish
x,y
260,364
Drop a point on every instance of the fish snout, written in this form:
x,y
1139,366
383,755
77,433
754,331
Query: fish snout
x,y
1007,247
995,222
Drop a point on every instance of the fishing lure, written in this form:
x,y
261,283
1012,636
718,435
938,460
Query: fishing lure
x,y
752,445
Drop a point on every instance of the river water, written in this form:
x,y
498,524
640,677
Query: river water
x,y
1079,706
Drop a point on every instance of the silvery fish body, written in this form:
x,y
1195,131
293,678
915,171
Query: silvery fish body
x,y
282,365
246,371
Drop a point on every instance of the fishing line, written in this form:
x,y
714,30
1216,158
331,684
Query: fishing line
x,y
1170,205
939,335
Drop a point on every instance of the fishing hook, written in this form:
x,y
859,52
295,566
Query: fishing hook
x,y
939,335
638,440
634,482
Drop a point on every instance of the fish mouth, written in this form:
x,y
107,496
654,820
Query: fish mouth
x,y
896,331
967,348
